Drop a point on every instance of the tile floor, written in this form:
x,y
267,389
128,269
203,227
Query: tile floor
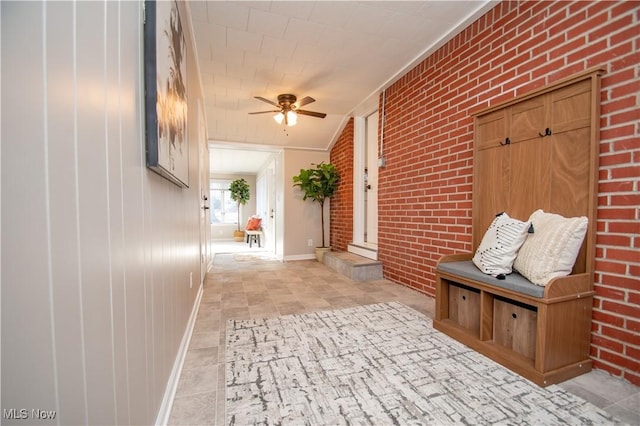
x,y
250,285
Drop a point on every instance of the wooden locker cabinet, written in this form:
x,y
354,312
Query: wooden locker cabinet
x,y
538,151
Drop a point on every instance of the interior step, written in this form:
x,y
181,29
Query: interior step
x,y
358,268
367,250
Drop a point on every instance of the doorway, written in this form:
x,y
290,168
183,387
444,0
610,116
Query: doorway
x,y
371,181
266,204
261,167
203,181
365,184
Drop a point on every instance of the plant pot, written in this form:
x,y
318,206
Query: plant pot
x,y
238,236
320,251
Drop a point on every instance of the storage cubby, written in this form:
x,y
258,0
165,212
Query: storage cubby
x,y
464,307
514,326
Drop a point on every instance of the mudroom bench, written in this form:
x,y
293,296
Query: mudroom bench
x,y
537,151
541,333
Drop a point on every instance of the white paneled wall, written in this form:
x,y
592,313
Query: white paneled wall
x,y
97,251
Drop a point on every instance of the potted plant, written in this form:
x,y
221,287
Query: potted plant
x,y
318,183
240,194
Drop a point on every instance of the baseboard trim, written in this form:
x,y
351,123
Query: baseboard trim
x,y
172,385
300,257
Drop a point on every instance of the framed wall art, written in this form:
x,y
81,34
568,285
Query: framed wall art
x,y
165,74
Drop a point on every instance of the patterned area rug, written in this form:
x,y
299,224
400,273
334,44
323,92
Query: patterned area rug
x,y
252,257
380,364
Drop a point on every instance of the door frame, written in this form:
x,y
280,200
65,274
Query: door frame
x,y
359,161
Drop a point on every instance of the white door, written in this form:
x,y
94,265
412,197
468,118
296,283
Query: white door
x,y
266,204
270,216
203,175
371,183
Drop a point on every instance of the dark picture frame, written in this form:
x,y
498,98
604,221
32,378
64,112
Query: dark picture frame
x,y
166,94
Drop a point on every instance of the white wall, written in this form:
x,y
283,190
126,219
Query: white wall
x,y
301,218
97,251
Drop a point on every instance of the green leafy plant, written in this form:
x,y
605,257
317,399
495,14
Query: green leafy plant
x,y
318,183
240,194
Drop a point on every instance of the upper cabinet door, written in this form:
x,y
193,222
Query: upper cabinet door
x,y
528,119
491,129
571,107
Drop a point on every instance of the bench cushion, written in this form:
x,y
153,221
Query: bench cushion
x,y
514,282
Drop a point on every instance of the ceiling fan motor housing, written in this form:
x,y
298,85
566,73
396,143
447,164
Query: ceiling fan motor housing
x,y
286,100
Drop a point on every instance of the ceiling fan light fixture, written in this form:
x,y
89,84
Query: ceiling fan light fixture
x,y
292,118
288,108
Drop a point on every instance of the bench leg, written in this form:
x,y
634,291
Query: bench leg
x,y
253,238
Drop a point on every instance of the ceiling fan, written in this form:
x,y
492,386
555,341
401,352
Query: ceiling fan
x,y
288,108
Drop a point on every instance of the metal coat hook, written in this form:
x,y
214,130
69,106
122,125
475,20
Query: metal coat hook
x,y
507,141
547,132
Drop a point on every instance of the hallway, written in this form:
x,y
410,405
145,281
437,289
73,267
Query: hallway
x,y
252,285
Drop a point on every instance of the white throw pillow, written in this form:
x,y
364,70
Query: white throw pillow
x,y
552,249
500,245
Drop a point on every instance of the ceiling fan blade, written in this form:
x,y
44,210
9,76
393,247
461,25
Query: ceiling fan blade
x,y
311,113
265,112
267,101
304,101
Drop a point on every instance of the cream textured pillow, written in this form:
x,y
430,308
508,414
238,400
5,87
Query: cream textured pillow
x,y
552,249
500,245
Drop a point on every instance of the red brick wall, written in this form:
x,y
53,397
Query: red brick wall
x,y
425,189
342,201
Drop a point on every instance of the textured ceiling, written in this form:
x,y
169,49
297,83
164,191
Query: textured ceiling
x,y
340,53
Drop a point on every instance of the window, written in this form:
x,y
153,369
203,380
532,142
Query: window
x,y
223,208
